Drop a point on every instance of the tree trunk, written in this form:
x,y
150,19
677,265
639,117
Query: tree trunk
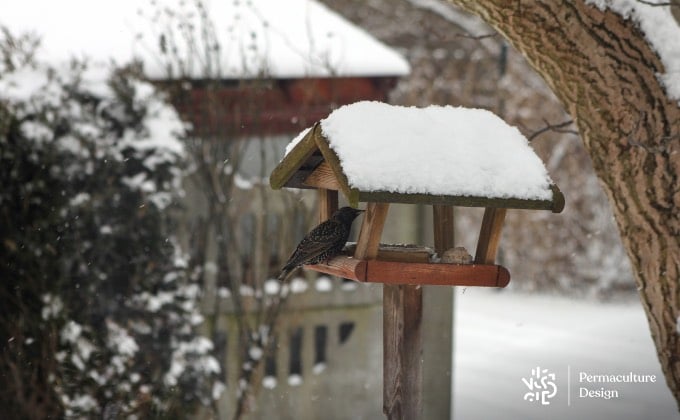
x,y
603,70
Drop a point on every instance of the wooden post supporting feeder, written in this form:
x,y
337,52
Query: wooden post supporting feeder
x,y
325,162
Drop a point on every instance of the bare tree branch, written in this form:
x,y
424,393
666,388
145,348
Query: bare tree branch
x,y
558,128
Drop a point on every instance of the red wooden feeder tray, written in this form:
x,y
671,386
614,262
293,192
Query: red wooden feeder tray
x,y
416,273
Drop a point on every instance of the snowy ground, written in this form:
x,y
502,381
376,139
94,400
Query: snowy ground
x,y
501,336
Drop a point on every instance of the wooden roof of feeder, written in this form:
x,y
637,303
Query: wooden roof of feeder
x,y
424,155
443,156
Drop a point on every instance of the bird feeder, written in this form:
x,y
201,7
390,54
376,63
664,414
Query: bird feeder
x,y
441,156
379,154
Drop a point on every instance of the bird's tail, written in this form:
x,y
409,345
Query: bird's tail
x,y
285,273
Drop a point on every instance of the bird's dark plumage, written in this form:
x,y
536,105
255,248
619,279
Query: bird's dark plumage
x,y
323,242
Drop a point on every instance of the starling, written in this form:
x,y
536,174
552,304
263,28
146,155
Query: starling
x,y
323,242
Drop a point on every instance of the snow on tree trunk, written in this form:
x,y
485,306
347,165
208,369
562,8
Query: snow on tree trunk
x,y
606,74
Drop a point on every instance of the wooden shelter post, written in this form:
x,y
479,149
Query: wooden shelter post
x,y
442,217
402,348
437,338
489,235
402,320
371,229
328,203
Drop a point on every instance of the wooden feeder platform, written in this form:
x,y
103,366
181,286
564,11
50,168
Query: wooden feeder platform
x,y
410,264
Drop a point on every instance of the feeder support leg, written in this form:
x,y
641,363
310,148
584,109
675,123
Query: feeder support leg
x,y
372,225
402,348
437,338
489,235
328,203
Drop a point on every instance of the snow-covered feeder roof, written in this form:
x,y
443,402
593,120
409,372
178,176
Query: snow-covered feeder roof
x,y
249,39
375,152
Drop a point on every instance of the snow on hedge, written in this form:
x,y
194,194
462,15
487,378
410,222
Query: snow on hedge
x,y
91,159
434,150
